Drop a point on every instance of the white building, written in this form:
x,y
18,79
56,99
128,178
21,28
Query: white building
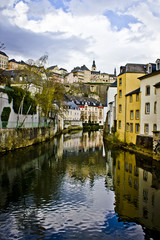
x,y
110,110
150,103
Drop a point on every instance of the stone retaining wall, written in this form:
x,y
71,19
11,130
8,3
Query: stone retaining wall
x,y
11,139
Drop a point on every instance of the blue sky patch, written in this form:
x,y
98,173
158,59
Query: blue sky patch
x,y
120,21
59,4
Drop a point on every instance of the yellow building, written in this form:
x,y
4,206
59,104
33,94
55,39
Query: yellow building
x,y
133,106
127,81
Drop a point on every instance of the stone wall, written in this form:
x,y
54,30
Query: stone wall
x,y
145,141
11,139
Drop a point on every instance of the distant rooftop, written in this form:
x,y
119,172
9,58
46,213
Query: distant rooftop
x,y
2,53
114,84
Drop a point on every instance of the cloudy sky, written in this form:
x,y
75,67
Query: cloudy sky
x,y
74,32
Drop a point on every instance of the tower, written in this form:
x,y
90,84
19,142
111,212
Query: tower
x,y
93,66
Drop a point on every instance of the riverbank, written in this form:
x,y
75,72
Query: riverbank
x,y
115,143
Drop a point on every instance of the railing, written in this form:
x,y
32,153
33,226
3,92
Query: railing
x,y
8,125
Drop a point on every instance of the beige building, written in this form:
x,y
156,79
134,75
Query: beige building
x,y
92,110
3,60
97,76
14,65
82,73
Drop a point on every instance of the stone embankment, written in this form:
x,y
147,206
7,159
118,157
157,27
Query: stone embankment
x,y
11,139
113,142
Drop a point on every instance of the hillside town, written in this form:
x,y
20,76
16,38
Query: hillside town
x,y
129,107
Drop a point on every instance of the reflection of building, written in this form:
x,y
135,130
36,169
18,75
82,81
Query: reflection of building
x,y
77,142
126,186
149,203
137,191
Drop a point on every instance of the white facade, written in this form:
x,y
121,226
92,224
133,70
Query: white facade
x,y
30,120
150,104
70,78
110,110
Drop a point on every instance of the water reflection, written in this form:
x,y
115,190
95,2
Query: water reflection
x,y
75,187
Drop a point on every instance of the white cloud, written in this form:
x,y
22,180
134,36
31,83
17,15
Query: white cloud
x,y
82,33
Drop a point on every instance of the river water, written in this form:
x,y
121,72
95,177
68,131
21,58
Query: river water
x,y
76,187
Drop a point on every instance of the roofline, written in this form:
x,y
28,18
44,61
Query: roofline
x,y
149,75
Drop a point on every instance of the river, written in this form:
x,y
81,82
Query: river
x,y
76,187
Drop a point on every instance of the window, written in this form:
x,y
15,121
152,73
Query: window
x,y
137,114
155,107
147,90
131,114
137,97
119,124
119,165
146,128
131,98
120,108
120,93
145,175
131,127
154,127
147,108
137,128
120,81
130,168
127,127
136,171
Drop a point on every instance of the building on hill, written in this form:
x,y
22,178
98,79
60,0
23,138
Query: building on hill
x,y
70,78
3,60
15,65
97,76
82,73
91,109
57,70
127,81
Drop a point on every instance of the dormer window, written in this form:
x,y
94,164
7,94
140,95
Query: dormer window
x,y
158,64
149,68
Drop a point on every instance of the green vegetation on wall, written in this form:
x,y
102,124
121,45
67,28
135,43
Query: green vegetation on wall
x,y
19,95
5,116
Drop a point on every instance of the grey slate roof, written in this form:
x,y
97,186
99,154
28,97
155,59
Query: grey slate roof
x,y
136,91
157,85
83,100
84,68
149,75
114,84
133,68
72,105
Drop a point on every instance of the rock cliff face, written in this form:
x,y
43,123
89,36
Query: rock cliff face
x,y
97,91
